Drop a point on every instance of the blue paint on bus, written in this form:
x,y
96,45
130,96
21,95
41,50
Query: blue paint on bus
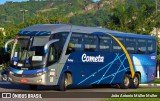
x,y
113,68
27,72
35,33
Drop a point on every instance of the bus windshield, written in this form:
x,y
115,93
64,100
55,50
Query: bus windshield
x,y
28,50
21,46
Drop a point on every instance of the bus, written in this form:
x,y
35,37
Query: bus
x,y
63,55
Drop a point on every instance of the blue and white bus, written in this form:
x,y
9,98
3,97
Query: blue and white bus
x,y
62,55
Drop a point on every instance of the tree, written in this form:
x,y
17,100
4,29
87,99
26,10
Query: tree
x,y
136,17
2,39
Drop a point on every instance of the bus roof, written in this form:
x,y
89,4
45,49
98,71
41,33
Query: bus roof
x,y
48,29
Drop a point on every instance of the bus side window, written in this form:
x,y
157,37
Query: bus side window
x,y
116,46
130,45
151,46
54,53
75,43
104,43
141,46
51,55
90,42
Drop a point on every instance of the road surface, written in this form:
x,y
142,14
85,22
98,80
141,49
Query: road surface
x,y
50,90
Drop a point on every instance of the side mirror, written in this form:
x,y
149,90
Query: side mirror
x,y
48,44
6,44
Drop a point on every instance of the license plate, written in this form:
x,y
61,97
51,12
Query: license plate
x,y
23,80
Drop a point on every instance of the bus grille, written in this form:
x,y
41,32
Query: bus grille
x,y
27,76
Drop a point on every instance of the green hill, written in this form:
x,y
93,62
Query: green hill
x,y
10,12
137,16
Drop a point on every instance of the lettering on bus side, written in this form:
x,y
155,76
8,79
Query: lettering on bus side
x,y
98,58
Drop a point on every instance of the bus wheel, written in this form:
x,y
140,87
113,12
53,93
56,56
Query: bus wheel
x,y
66,81
135,81
126,82
33,87
4,77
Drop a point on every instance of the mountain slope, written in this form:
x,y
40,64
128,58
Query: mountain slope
x,y
10,11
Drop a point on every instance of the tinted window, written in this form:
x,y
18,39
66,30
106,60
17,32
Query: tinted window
x,y
56,48
104,43
62,36
90,43
40,40
130,45
151,46
54,53
141,46
116,46
75,43
37,48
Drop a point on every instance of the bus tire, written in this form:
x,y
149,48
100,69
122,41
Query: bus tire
x,y
1,77
135,81
33,87
4,77
65,82
126,82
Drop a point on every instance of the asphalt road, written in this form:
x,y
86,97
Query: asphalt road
x,y
8,87
50,90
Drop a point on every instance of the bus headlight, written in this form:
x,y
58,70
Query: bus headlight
x,y
41,73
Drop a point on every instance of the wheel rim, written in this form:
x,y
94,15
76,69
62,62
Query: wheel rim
x,y
136,81
126,81
66,82
5,77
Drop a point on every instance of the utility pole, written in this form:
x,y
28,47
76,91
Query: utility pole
x,y
24,12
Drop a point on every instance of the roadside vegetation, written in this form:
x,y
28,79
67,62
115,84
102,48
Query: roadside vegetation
x,y
157,81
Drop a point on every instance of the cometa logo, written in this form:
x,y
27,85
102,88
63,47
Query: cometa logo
x,y
98,58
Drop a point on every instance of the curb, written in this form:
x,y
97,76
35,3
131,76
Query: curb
x,y
149,85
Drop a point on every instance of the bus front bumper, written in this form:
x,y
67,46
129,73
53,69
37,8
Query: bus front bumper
x,y
29,79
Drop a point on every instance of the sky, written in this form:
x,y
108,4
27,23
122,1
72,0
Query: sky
x,y
95,0
3,1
